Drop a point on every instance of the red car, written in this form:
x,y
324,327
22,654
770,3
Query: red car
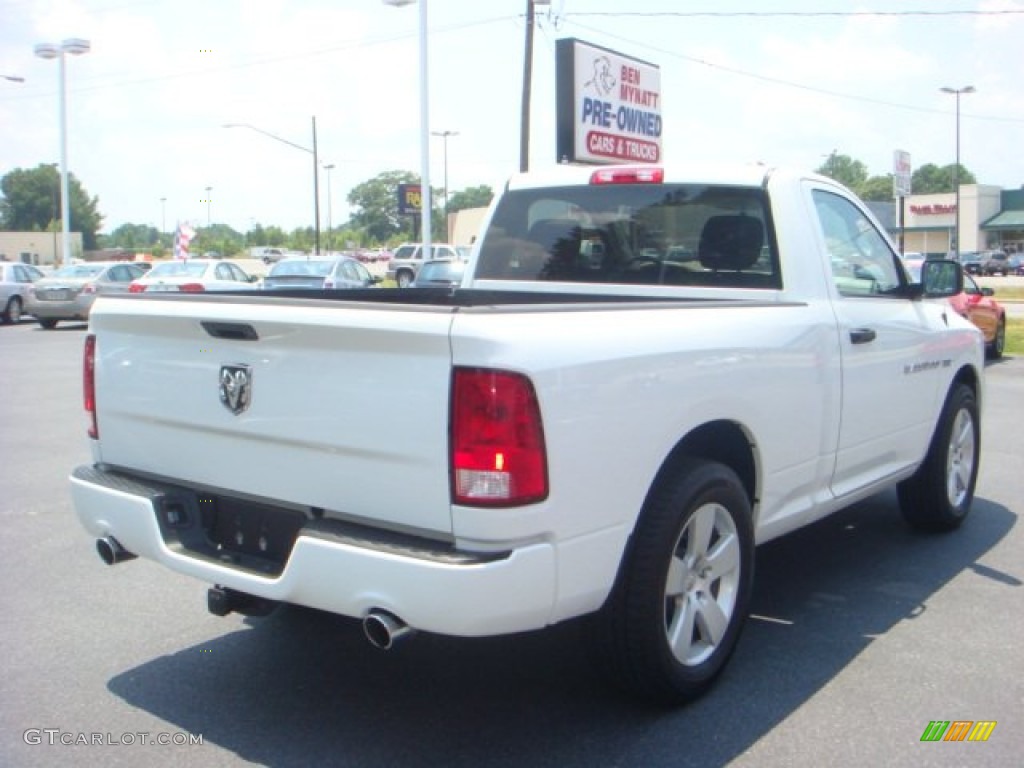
x,y
977,305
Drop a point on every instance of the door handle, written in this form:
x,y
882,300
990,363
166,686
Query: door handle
x,y
862,335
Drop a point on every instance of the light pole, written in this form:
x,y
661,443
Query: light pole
x,y
956,168
425,205
524,125
316,171
163,215
208,200
329,167
444,137
75,46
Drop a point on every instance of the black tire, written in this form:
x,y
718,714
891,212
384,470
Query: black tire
x,y
939,495
687,574
48,323
403,278
994,350
12,312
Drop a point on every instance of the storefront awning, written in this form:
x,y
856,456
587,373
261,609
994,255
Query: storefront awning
x,y
1005,220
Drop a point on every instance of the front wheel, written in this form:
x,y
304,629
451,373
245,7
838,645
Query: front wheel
x,y
681,598
994,350
403,278
939,495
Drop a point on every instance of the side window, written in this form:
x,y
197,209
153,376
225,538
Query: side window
x,y
223,272
348,271
861,260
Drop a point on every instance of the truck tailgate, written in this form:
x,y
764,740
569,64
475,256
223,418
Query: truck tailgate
x,y
347,411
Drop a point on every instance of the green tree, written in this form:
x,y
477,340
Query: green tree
x,y
877,188
375,206
844,169
473,197
132,236
31,202
218,238
931,179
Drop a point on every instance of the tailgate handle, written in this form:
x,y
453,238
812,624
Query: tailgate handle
x,y
231,331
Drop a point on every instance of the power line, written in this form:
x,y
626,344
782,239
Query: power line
x,y
788,83
768,14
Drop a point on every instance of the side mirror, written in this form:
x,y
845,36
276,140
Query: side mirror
x,y
988,291
941,278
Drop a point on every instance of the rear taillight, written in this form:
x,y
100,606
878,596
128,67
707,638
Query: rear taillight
x,y
89,384
89,288
497,441
136,288
191,288
628,175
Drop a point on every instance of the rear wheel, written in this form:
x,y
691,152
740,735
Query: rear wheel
x,y
675,614
12,312
939,495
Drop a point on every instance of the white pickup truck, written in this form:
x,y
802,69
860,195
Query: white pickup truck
x,y
646,372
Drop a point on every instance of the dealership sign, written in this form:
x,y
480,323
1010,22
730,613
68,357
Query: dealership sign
x,y
609,106
410,199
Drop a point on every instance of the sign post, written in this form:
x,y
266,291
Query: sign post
x,y
901,175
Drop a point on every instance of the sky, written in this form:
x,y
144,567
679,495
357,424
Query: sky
x,y
784,83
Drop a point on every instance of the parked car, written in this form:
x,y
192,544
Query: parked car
x,y
194,275
971,262
440,272
68,294
271,255
330,274
1016,264
977,305
407,258
16,296
995,263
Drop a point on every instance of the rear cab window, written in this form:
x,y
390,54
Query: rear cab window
x,y
635,234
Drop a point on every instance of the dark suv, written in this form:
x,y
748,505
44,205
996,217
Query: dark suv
x,y
995,263
971,262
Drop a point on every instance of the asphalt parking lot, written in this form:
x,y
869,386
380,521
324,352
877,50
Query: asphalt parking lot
x,y
862,634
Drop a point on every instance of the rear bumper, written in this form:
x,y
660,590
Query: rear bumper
x,y
338,569
76,309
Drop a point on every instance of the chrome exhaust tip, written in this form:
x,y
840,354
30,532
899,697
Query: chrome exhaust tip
x,y
111,551
384,629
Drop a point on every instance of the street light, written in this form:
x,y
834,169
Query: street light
x,y
163,215
444,136
208,199
76,47
956,168
329,168
424,126
316,171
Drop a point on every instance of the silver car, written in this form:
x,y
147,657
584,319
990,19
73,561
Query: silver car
x,y
16,296
328,274
69,292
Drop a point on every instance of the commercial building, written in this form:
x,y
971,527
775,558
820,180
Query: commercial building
x,y
990,219
43,249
